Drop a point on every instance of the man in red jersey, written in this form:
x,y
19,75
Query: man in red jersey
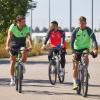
x,y
56,37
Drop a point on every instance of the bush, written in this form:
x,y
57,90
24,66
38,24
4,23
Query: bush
x,y
3,52
35,51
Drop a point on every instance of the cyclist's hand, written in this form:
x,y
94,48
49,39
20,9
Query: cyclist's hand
x,y
95,52
62,45
30,48
7,48
43,47
74,55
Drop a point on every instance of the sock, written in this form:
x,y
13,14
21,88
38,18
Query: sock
x,y
74,81
12,77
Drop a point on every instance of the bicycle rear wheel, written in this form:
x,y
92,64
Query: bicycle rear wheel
x,y
52,72
84,82
20,77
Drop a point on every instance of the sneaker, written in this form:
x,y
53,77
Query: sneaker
x,y
62,71
12,83
75,86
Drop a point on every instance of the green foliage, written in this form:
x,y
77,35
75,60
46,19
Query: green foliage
x,y
2,37
9,9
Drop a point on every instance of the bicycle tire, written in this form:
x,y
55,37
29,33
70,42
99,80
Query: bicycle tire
x,y
20,77
84,82
16,78
61,78
79,82
51,64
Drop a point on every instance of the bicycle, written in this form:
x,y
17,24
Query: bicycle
x,y
55,67
83,75
19,71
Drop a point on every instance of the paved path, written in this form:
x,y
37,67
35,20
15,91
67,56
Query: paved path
x,y
36,85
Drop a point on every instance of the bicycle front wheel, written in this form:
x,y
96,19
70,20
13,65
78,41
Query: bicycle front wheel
x,y
16,78
79,82
84,82
52,71
20,77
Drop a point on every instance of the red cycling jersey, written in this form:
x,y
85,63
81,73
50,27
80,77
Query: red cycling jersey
x,y
55,38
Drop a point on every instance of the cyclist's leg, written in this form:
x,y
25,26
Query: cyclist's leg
x,y
86,60
85,57
12,64
63,52
50,55
76,59
24,57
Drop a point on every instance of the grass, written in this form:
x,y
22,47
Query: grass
x,y
35,51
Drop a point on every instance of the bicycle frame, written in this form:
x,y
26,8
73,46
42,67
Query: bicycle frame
x,y
57,58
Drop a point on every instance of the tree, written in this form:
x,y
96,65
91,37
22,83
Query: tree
x,y
44,29
9,9
66,29
72,28
37,30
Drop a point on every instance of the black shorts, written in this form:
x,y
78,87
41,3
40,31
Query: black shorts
x,y
15,48
79,54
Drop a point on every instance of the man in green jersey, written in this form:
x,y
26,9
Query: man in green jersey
x,y
16,39
81,40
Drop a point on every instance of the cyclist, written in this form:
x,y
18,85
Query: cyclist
x,y
16,39
81,40
56,36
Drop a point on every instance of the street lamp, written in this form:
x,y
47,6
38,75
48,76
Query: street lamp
x,y
33,5
92,14
70,15
49,12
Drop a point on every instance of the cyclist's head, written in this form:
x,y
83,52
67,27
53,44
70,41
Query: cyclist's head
x,y
20,20
54,25
82,22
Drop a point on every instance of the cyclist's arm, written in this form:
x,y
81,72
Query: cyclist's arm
x,y
63,37
47,38
73,40
9,36
29,40
94,41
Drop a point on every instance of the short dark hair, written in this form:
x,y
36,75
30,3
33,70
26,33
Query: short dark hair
x,y
55,22
19,18
82,18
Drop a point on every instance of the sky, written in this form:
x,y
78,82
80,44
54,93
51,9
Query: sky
x,y
60,12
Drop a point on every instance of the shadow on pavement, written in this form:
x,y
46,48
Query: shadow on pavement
x,y
4,81
38,92
28,62
44,83
36,81
28,85
4,61
94,85
37,62
94,96
41,62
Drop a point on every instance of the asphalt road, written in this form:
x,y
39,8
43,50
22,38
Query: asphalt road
x,y
36,84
